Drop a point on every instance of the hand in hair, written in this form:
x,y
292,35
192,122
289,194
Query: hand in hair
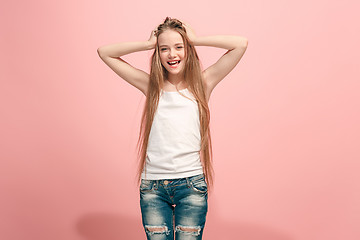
x,y
152,38
190,32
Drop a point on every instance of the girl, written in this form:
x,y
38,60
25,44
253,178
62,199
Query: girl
x,y
175,168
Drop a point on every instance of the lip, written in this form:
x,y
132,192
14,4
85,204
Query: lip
x,y
175,65
173,60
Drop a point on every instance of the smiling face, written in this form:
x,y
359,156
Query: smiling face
x,y
171,51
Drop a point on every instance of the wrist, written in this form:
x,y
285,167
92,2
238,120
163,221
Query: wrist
x,y
195,41
150,45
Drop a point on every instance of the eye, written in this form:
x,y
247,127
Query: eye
x,y
162,49
180,47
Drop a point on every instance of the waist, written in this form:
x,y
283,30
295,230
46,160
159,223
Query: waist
x,y
161,166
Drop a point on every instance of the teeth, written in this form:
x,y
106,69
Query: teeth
x,y
173,62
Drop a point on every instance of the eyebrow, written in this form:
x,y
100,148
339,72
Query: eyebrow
x,y
164,45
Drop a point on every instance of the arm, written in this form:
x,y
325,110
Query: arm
x,y
236,47
111,53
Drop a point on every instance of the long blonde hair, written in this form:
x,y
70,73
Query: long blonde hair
x,y
192,75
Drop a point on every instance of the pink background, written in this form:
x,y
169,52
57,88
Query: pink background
x,y
285,122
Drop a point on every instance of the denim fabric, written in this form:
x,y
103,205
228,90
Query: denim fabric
x,y
171,206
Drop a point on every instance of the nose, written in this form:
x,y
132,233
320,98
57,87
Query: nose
x,y
172,53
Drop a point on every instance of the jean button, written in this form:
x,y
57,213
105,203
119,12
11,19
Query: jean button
x,y
166,182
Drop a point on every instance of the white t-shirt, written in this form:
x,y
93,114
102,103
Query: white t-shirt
x,y
173,149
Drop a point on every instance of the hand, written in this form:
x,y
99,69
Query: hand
x,y
153,38
190,32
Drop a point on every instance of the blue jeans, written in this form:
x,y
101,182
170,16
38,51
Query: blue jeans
x,y
171,206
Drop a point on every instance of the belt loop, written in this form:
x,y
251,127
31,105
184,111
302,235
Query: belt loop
x,y
188,181
156,184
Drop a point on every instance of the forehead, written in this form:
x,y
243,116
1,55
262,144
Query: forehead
x,y
169,37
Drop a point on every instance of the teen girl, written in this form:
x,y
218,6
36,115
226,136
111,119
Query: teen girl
x,y
175,153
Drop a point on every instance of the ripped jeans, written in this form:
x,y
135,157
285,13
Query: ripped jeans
x,y
174,206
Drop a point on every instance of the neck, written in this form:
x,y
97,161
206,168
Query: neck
x,y
175,79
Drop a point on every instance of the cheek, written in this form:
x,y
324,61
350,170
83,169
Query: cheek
x,y
183,55
162,59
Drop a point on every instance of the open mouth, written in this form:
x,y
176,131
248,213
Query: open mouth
x,y
174,63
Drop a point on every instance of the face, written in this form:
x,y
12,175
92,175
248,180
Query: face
x,y
172,51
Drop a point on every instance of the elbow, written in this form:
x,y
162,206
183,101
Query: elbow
x,y
243,42
100,52
246,43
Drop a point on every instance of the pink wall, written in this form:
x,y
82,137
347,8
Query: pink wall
x,y
285,122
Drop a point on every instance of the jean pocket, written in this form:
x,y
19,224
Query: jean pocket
x,y
199,185
146,185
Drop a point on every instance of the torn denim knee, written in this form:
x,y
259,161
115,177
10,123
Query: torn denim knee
x,y
157,229
193,230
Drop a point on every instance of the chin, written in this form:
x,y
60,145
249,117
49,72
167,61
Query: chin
x,y
175,71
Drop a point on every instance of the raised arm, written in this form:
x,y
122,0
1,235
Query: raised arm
x,y
111,53
236,46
